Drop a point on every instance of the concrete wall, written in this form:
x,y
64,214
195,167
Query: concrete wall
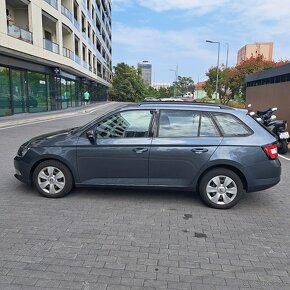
x,y
271,95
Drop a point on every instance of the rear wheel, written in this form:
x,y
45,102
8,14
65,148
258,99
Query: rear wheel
x,y
52,179
221,188
283,147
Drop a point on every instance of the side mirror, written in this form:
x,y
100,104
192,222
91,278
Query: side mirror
x,y
274,109
91,136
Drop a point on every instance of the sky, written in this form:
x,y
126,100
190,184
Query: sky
x,y
168,33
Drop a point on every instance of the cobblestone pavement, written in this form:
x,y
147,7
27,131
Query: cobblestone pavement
x,y
137,239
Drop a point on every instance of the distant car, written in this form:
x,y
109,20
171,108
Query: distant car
x,y
171,99
216,150
151,100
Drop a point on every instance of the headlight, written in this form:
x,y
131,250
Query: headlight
x,y
22,150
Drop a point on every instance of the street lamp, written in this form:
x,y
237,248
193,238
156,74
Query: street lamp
x,y
227,60
218,63
176,77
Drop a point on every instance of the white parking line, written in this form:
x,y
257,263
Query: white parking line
x,y
43,119
284,157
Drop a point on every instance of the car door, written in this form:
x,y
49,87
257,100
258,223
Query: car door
x,y
119,154
184,141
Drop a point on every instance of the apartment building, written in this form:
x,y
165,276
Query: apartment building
x,y
52,51
146,72
254,50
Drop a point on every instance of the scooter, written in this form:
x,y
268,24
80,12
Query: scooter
x,y
278,127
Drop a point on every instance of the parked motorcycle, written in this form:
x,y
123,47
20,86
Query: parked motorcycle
x,y
278,127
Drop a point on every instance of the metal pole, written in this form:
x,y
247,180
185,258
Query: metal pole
x,y
227,55
217,69
218,64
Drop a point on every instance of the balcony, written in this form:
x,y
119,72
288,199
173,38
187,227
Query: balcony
x,y
68,53
85,64
53,3
77,59
67,13
51,46
77,25
19,33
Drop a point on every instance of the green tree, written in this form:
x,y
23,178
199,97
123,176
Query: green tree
x,y
184,85
127,84
224,91
237,76
232,81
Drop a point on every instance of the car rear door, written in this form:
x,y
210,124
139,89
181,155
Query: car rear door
x,y
184,141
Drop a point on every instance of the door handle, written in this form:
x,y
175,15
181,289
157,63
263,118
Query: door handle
x,y
199,150
140,150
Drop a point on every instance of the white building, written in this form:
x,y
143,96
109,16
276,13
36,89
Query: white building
x,y
52,51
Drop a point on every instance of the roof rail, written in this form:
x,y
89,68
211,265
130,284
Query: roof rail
x,y
186,103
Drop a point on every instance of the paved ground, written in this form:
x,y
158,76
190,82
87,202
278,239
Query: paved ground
x,y
128,239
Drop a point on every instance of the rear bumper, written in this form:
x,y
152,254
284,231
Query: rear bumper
x,y
263,176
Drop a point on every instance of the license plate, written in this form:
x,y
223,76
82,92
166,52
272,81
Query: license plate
x,y
284,135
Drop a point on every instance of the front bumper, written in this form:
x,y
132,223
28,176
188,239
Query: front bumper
x,y
22,170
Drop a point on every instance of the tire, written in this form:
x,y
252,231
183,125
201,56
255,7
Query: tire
x,y
215,194
283,147
52,179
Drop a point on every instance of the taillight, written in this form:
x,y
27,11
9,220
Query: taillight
x,y
271,151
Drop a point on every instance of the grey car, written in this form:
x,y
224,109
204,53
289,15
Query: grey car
x,y
218,151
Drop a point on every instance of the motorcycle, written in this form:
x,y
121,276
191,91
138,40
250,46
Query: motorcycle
x,y
278,127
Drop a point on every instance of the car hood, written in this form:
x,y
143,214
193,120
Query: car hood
x,y
51,139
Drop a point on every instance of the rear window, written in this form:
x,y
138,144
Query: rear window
x,y
231,126
186,124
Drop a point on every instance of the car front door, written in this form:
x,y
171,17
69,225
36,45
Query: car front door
x,y
119,153
184,142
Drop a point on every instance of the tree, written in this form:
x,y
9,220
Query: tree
x,y
127,84
184,85
224,91
232,81
237,76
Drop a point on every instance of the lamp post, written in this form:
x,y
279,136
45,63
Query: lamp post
x,y
218,63
227,60
176,77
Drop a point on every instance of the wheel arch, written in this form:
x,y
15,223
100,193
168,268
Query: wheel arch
x,y
226,166
54,159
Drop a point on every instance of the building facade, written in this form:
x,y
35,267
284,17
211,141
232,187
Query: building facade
x,y
254,50
270,88
146,72
51,52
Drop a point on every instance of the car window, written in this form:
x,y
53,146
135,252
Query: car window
x,y
231,126
125,125
207,127
178,123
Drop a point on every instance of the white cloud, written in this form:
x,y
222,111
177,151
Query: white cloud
x,y
235,22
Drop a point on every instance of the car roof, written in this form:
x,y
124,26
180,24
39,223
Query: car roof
x,y
178,105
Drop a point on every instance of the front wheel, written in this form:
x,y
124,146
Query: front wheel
x,y
52,179
283,146
221,188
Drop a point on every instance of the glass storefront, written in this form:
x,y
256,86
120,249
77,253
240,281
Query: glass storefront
x,y
5,102
37,92
24,91
19,91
